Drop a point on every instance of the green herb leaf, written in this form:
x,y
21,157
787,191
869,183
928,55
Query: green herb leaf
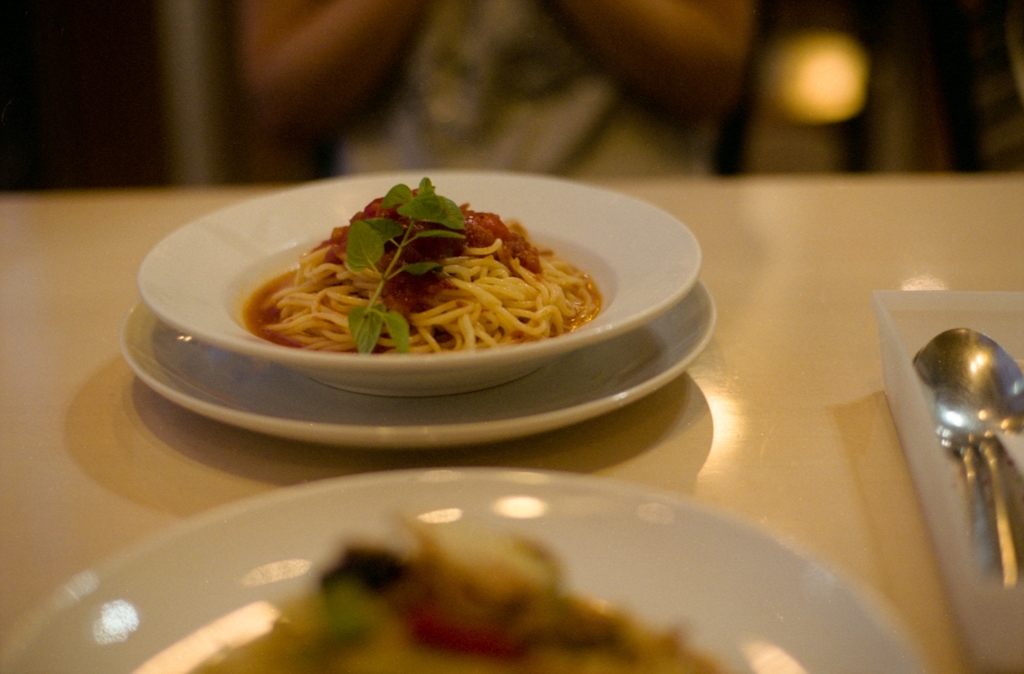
x,y
365,246
429,207
437,233
422,207
365,325
420,268
426,187
350,610
455,219
398,328
366,241
386,228
397,195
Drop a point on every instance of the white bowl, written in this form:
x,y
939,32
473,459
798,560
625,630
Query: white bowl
x,y
198,279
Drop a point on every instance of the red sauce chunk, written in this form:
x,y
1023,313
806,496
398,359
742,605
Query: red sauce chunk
x,y
482,229
407,293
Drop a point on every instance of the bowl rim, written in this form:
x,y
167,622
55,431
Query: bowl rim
x,y
412,363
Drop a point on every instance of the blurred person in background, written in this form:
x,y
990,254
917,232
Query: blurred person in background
x,y
980,53
575,87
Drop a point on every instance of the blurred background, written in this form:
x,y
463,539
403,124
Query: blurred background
x,y
121,93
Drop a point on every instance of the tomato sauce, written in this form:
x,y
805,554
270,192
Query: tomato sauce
x,y
259,311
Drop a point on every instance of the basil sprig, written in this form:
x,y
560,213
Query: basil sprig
x,y
366,241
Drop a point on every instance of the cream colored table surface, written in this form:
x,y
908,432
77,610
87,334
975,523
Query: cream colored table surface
x,y
781,421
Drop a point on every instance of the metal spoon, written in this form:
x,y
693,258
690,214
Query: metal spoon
x,y
974,383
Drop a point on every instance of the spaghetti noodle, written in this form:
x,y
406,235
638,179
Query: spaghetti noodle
x,y
489,287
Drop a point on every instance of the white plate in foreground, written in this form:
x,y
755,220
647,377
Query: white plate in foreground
x,y
642,260
265,397
740,594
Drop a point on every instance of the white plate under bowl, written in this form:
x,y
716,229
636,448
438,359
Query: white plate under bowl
x,y
262,396
742,596
642,260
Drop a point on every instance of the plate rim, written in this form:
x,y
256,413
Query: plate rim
x,y
425,437
873,606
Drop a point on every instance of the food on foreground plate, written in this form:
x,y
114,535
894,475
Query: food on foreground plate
x,y
414,272
464,600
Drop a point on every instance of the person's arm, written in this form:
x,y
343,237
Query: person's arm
x,y
689,55
308,64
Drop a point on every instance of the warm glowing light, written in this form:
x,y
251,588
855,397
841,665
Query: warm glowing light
x,y
442,516
276,571
83,584
767,658
231,631
520,507
118,619
728,422
953,419
820,77
923,282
